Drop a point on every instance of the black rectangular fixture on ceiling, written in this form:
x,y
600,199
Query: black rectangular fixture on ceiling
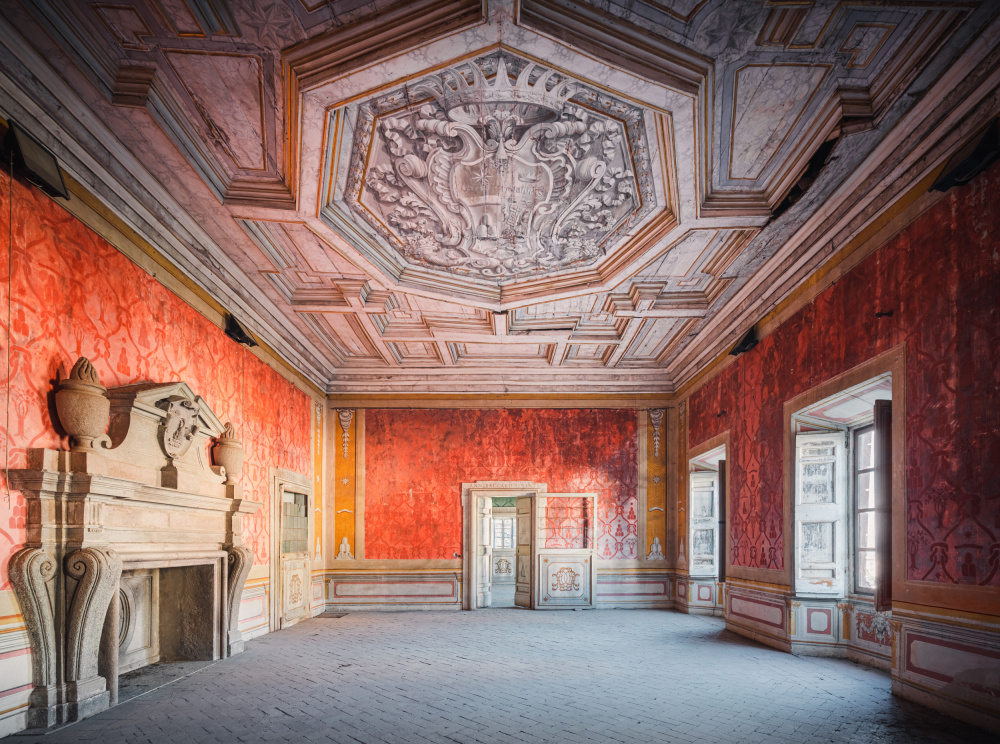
x,y
237,332
746,343
32,160
973,158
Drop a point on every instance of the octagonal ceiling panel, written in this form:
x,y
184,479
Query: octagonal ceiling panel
x,y
495,168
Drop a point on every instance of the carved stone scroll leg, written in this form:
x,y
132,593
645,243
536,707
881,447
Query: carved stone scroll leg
x,y
108,660
98,572
33,574
240,563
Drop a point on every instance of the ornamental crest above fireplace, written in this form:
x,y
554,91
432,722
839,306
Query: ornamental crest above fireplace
x,y
179,426
499,169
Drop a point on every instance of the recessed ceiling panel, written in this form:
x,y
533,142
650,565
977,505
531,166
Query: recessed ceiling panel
x,y
498,169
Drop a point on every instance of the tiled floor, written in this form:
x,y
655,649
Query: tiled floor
x,y
518,676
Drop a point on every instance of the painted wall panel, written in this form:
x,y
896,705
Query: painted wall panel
x,y
416,461
939,277
73,294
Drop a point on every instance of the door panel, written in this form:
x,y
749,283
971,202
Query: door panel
x,y
294,589
522,552
485,590
564,581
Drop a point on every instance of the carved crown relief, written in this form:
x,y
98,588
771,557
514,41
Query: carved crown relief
x,y
500,169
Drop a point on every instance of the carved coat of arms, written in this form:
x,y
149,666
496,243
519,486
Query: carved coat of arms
x,y
498,178
179,427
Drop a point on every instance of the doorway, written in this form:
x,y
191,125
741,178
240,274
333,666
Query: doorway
x,y
551,550
291,536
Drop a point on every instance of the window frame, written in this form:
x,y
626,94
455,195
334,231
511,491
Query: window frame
x,y
856,509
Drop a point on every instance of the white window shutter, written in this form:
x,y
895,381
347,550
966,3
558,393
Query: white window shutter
x,y
821,501
704,525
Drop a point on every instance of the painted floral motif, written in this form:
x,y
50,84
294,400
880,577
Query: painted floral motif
x,y
565,580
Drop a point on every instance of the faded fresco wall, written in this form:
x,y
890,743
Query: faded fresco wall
x,y
940,278
73,294
416,461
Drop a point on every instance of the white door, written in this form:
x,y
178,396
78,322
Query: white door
x,y
523,551
704,525
294,563
484,592
820,513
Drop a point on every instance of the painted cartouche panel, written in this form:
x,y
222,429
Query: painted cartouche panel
x,y
416,461
939,277
73,295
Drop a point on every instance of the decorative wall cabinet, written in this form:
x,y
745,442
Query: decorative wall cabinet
x,y
144,499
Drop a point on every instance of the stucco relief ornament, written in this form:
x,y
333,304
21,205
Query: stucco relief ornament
x,y
655,551
656,418
345,551
228,452
500,177
345,415
179,427
83,407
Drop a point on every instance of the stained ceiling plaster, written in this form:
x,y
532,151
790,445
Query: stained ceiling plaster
x,y
361,186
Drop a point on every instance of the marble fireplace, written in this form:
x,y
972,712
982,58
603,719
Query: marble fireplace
x,y
134,551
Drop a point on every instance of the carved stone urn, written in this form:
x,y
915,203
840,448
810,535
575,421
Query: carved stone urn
x,y
228,452
82,406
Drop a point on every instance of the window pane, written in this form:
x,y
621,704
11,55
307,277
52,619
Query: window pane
x,y
866,530
866,569
866,450
866,490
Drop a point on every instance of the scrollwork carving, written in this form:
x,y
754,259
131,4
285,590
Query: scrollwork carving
x,y
32,572
97,572
240,563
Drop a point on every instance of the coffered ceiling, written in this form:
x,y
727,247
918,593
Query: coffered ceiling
x,y
535,196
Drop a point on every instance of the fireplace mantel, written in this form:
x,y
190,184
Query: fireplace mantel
x,y
145,496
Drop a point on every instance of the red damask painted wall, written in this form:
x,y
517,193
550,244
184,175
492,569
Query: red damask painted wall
x,y
73,294
416,461
940,277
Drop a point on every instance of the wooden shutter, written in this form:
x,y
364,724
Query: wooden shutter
x,y
821,513
883,505
704,525
723,532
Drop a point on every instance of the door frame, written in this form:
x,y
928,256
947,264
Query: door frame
x,y
472,496
286,480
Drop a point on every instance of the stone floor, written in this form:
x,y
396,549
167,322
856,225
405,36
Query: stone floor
x,y
517,676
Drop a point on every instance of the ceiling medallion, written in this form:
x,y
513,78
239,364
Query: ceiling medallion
x,y
499,169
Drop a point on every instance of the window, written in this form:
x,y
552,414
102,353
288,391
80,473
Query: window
x,y
294,522
842,493
503,532
864,510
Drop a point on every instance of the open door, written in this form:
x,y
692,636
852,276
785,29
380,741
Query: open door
x,y
564,552
485,588
523,551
